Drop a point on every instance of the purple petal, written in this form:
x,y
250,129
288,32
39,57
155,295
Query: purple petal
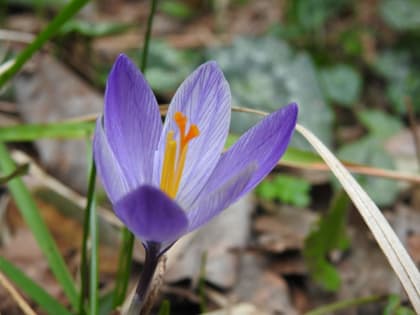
x,y
212,203
132,121
204,97
107,165
151,215
263,144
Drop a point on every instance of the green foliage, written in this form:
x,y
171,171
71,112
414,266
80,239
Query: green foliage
x,y
402,72
165,308
19,171
370,150
394,307
401,15
351,42
63,130
379,124
342,84
90,29
312,14
329,234
33,219
106,303
52,28
288,189
124,271
168,67
265,73
47,303
176,9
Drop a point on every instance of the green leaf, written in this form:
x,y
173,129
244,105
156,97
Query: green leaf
x,y
380,125
352,42
393,307
106,303
265,73
401,15
342,84
399,68
30,132
32,289
90,29
33,219
393,65
312,14
369,150
176,9
327,235
165,308
288,189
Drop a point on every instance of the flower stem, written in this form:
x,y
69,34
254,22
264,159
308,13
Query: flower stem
x,y
126,255
340,305
140,296
145,54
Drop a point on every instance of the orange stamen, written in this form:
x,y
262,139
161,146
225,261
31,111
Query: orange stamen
x,y
173,167
168,162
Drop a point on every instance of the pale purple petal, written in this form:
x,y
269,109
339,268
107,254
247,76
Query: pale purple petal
x,y
131,121
211,204
263,144
107,165
205,99
151,215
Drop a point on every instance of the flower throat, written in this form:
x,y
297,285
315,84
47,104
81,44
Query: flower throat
x,y
175,154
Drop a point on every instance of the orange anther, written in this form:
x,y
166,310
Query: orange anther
x,y
175,154
192,133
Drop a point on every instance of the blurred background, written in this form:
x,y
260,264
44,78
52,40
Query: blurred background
x,y
297,243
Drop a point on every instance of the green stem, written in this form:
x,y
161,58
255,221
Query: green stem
x,y
84,270
68,11
334,307
151,262
94,259
124,262
128,238
147,36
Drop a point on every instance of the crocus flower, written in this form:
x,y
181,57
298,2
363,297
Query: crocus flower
x,y
167,180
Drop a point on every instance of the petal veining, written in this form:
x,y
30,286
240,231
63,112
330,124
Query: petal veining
x,y
204,99
262,144
131,121
107,165
151,215
211,203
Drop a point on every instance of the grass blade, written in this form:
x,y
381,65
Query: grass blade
x,y
68,11
30,288
124,270
61,130
87,230
385,236
94,259
19,171
389,242
30,214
